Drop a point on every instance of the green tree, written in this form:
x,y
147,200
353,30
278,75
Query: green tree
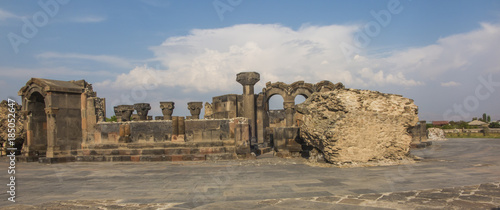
x,y
447,127
494,125
488,119
111,119
463,124
474,118
484,117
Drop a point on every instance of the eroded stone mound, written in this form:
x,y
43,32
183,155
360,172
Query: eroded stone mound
x,y
19,128
357,126
435,134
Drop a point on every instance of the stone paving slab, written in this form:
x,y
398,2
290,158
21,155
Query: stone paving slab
x,y
453,174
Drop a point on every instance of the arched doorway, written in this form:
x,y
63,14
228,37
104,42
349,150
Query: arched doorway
x,y
54,121
37,126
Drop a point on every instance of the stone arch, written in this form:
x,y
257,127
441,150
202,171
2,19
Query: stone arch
x,y
326,85
277,88
301,88
289,92
36,142
53,111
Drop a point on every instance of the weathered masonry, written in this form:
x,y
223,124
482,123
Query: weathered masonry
x,y
65,121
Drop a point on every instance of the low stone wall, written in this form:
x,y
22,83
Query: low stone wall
x,y
168,140
476,130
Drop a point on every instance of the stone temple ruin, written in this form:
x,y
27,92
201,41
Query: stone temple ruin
x,y
65,121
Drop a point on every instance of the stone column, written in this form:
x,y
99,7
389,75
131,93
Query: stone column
x,y
51,113
261,119
29,133
142,110
167,108
118,113
125,112
195,109
423,131
289,107
248,80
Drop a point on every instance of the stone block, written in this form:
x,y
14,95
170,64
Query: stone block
x,y
135,158
177,157
153,152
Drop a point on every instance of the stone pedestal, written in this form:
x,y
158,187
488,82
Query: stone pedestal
x,y
240,128
195,109
142,110
125,112
248,80
167,108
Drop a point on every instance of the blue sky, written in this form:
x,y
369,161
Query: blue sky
x,y
442,54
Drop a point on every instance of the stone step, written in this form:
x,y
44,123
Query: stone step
x,y
261,151
140,158
144,145
159,151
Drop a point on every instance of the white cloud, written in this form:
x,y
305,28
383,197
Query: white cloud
x,y
27,73
473,51
379,79
4,15
208,59
450,84
111,60
88,19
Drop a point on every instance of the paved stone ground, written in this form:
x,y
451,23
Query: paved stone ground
x,y
453,174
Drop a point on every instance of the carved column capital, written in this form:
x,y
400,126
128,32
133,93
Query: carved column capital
x,y
248,78
167,108
195,109
142,110
125,112
288,105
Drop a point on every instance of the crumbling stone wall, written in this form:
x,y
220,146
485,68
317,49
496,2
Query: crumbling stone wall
x,y
225,107
20,131
357,126
436,134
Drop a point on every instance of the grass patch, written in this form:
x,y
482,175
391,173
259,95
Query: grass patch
x,y
472,135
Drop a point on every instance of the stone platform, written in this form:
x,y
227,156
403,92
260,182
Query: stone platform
x,y
453,174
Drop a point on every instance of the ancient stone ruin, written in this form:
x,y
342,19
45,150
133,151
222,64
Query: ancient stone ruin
x,y
357,126
436,134
65,121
